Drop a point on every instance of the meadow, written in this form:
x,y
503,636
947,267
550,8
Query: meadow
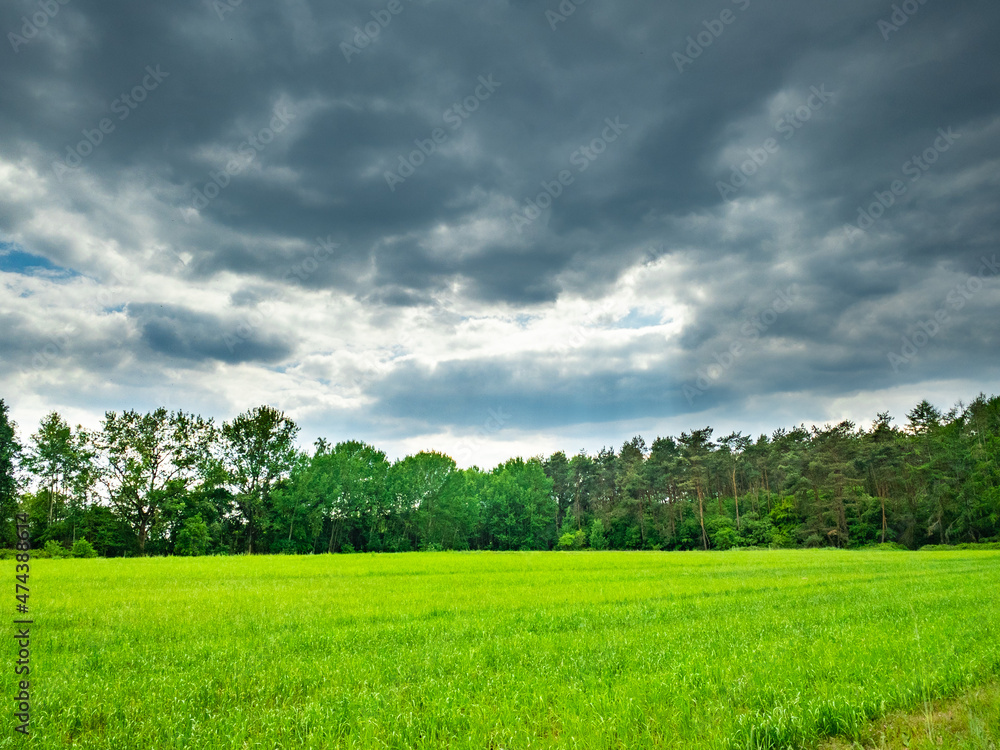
x,y
743,649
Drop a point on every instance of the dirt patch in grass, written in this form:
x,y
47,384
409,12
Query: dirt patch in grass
x,y
970,722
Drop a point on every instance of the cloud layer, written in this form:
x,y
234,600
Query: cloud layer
x,y
397,220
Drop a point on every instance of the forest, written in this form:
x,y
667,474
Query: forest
x,y
174,483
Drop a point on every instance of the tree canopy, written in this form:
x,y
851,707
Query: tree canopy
x,y
175,483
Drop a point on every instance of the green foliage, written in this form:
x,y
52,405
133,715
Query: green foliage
x,y
813,540
193,538
756,532
722,533
63,463
633,538
724,538
55,550
963,546
10,451
517,507
134,487
430,499
576,540
152,459
598,539
258,449
82,548
568,526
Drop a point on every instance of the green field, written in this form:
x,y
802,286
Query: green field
x,y
500,650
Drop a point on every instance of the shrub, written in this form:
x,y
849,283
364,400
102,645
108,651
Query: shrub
x,y
633,538
756,532
721,532
964,545
54,550
724,538
83,548
783,539
598,539
813,540
193,538
566,541
568,526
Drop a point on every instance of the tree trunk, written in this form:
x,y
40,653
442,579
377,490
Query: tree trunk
x,y
701,515
882,498
642,522
736,498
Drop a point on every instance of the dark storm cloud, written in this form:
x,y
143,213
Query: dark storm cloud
x,y
190,93
177,333
459,392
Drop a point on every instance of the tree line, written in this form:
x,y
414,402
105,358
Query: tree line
x,y
173,483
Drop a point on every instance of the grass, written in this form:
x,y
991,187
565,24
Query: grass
x,y
971,722
751,649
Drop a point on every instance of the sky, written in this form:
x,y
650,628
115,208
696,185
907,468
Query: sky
x,y
499,228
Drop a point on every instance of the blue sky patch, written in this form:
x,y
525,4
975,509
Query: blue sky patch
x,y
14,260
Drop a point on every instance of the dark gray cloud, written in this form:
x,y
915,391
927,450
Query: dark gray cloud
x,y
180,334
